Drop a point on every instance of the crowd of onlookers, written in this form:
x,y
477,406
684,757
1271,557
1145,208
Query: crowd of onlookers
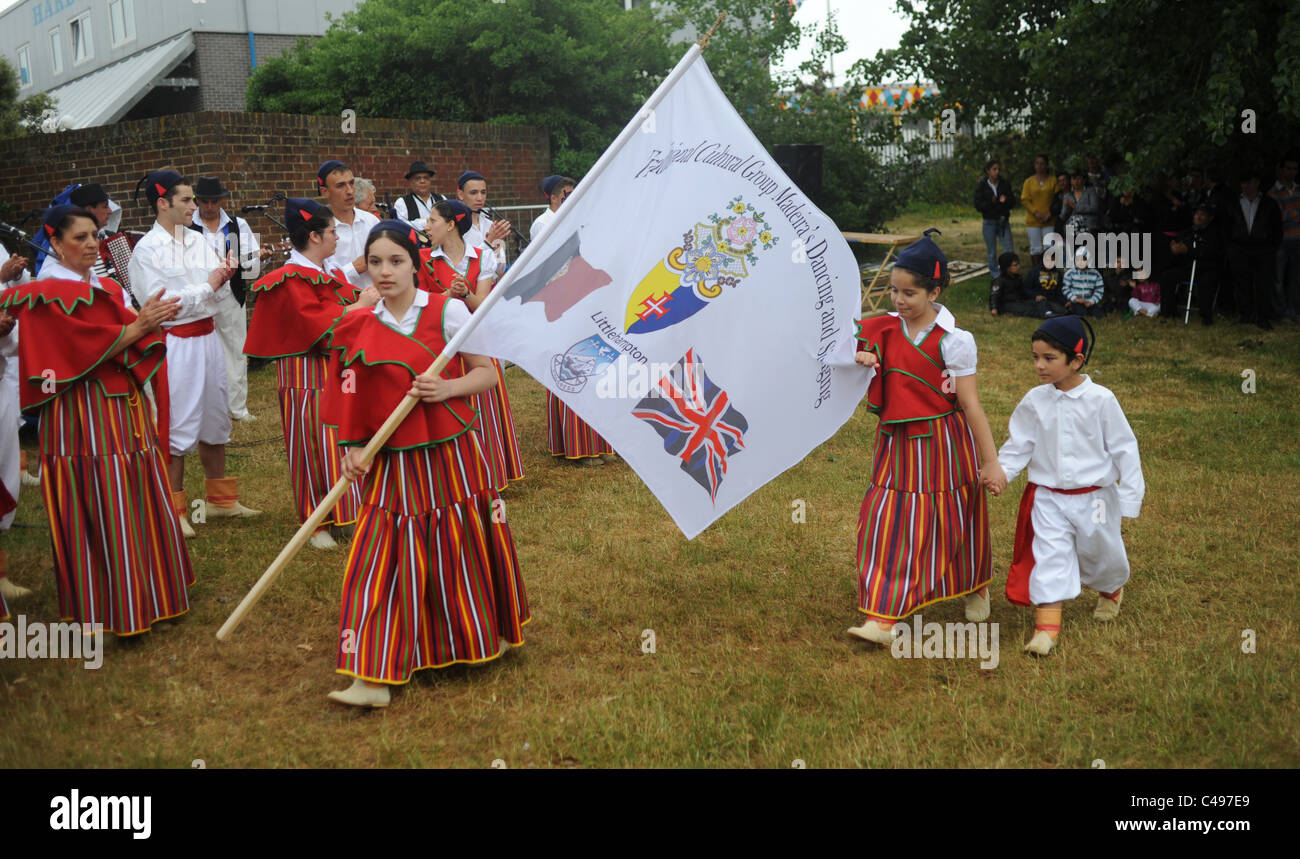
x,y
1235,248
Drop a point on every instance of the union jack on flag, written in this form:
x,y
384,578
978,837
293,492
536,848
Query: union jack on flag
x,y
696,420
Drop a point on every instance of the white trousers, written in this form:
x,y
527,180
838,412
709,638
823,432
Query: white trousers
x,y
232,329
9,423
196,379
1149,307
1076,541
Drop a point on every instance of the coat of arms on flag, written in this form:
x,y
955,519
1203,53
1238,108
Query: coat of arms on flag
x,y
712,255
696,420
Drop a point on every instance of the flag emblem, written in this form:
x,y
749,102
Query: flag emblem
x,y
561,280
582,361
711,255
696,420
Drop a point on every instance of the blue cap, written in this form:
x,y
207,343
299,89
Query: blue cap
x,y
549,183
923,257
400,227
468,176
1069,332
461,215
157,184
54,214
300,210
326,169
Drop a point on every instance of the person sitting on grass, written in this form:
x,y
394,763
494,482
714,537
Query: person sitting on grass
x,y
1082,458
1008,295
1084,287
1144,297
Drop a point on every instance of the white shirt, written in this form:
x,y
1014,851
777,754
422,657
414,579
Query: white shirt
x,y
1073,439
454,316
352,243
250,262
423,207
56,270
296,257
160,264
23,276
1249,209
477,237
462,267
957,347
541,224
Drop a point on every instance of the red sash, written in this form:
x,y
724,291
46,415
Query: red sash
x,y
197,328
1022,559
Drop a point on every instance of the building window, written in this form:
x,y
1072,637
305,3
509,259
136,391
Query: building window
x,y
25,66
121,17
56,51
83,45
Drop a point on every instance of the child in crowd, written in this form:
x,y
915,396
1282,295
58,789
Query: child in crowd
x,y
1145,296
1084,475
1083,287
923,530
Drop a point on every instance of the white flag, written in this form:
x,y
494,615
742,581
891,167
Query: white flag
x,y
690,304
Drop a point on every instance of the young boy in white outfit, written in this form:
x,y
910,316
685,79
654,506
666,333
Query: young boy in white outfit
x,y
1084,476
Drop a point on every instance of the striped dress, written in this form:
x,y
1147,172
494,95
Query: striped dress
x,y
432,578
923,529
119,556
568,435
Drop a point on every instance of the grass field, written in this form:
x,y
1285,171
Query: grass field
x,y
751,665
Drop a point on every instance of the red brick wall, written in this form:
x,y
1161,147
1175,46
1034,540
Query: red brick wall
x,y
258,154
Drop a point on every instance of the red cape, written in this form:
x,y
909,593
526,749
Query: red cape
x,y
294,310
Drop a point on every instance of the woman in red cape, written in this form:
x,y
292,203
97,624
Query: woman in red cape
x,y
432,578
84,357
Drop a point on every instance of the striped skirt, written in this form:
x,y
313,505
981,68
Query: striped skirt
x,y
119,557
923,531
500,444
312,446
432,578
568,435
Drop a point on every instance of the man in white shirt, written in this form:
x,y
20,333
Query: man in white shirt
x,y
177,261
229,235
414,208
352,225
486,234
556,189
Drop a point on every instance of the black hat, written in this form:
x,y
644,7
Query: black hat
x,y
209,188
1068,331
923,257
54,214
419,167
157,184
300,210
326,169
469,176
400,227
549,184
91,194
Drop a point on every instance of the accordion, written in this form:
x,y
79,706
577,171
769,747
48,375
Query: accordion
x,y
115,254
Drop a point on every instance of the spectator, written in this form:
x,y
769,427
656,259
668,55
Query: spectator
x,y
1058,202
365,197
1099,177
1129,213
1084,287
1043,285
1202,245
994,200
1171,211
1037,195
1287,195
1254,234
1082,207
1145,295
415,206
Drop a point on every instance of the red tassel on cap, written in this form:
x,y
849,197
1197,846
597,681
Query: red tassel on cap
x,y
412,236
305,215
1078,347
160,189
936,269
49,229
460,216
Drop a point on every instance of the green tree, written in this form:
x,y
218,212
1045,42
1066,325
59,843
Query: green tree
x,y
578,68
19,116
1162,82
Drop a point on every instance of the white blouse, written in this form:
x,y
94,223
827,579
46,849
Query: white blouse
x,y
454,317
957,348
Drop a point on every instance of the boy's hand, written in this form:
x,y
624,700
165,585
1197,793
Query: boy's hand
x,y
867,359
993,478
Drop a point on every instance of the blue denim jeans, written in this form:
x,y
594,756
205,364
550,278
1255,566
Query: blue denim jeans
x,y
994,230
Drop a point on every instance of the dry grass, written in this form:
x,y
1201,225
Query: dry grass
x,y
752,666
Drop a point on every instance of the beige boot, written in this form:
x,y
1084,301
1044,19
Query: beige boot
x,y
179,506
977,607
1108,608
222,500
361,695
322,540
873,631
1041,644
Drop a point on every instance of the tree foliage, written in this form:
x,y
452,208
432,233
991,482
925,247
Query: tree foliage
x,y
19,116
1161,82
578,68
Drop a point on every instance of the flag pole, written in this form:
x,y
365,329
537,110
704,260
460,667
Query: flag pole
x,y
408,402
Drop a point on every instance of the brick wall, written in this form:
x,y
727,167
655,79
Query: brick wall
x,y
258,154
221,65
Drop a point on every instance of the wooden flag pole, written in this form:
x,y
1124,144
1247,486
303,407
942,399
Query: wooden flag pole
x,y
454,345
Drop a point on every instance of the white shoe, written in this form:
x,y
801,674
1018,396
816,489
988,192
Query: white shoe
x,y
361,695
11,591
323,540
873,632
977,607
30,479
1107,609
246,417
239,511
1041,644
187,530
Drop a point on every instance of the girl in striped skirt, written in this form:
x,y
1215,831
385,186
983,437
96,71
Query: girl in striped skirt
x,y
296,305
119,557
432,578
923,532
455,268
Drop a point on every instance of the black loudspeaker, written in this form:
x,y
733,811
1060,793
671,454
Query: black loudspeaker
x,y
802,162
